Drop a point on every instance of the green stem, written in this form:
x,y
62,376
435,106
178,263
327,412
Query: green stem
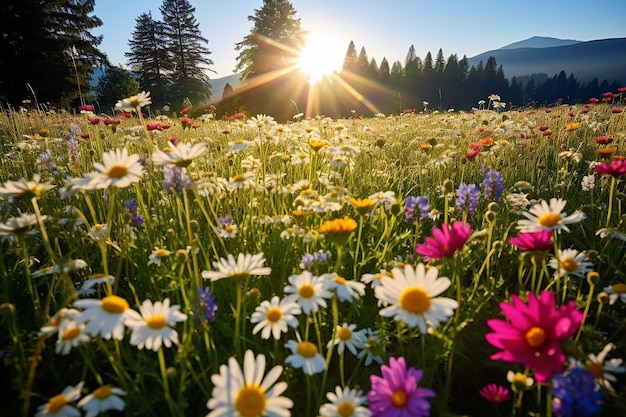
x,y
34,295
166,384
610,208
586,311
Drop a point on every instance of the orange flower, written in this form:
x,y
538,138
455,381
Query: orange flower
x,y
607,150
362,206
316,144
338,230
571,126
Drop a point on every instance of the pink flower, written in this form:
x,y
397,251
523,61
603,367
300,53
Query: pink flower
x,y
535,332
495,393
445,241
396,393
614,168
533,242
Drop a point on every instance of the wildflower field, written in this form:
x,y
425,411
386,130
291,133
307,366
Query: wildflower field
x,y
432,263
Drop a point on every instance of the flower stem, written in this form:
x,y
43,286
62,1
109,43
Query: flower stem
x,y
610,208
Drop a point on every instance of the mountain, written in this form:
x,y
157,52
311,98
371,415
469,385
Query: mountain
x,y
601,59
217,85
540,42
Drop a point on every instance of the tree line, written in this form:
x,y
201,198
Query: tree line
x,y
47,55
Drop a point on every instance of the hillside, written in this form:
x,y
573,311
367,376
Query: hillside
x,y
540,42
602,59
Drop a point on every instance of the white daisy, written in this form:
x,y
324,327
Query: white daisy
x,y
308,291
248,392
603,369
181,155
24,189
244,267
97,231
409,297
134,103
157,255
375,279
240,181
570,262
383,199
18,225
346,289
373,349
612,233
346,336
57,321
70,336
519,381
118,169
88,287
615,292
102,399
106,317
544,216
345,402
58,406
154,327
274,317
305,355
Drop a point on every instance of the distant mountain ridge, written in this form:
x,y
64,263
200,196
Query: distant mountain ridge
x,y
601,59
540,42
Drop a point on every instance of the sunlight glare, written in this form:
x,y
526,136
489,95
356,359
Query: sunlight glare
x,y
321,56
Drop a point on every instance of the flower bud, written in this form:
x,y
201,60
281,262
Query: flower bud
x,y
603,297
593,278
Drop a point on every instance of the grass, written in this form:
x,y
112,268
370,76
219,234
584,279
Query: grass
x,y
293,189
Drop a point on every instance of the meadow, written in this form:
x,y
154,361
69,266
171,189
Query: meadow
x,y
424,263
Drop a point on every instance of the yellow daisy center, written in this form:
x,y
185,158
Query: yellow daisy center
x,y
549,219
56,403
102,392
98,227
114,304
415,300
273,315
619,288
345,409
250,401
117,171
306,349
596,369
306,291
399,398
569,265
156,322
344,333
340,280
161,253
70,334
239,178
536,337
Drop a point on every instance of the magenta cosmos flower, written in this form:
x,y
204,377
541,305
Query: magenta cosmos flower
x,y
445,241
534,333
495,393
533,241
614,168
396,393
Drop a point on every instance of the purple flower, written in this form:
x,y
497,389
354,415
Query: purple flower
x,y
396,393
420,203
467,198
207,306
72,142
409,208
135,218
576,394
493,185
175,178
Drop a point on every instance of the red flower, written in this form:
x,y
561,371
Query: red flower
x,y
622,89
445,241
547,133
495,393
533,241
616,110
534,332
108,121
471,154
94,120
614,168
85,108
603,140
185,110
594,100
543,128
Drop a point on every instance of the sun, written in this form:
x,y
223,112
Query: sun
x,y
320,57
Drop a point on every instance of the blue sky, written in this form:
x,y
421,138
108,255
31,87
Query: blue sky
x,y
386,28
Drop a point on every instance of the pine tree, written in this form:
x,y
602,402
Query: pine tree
x,y
267,58
274,41
349,62
185,46
362,63
149,57
115,83
383,72
48,45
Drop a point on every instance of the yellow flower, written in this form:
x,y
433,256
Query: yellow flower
x,y
571,126
362,205
338,230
